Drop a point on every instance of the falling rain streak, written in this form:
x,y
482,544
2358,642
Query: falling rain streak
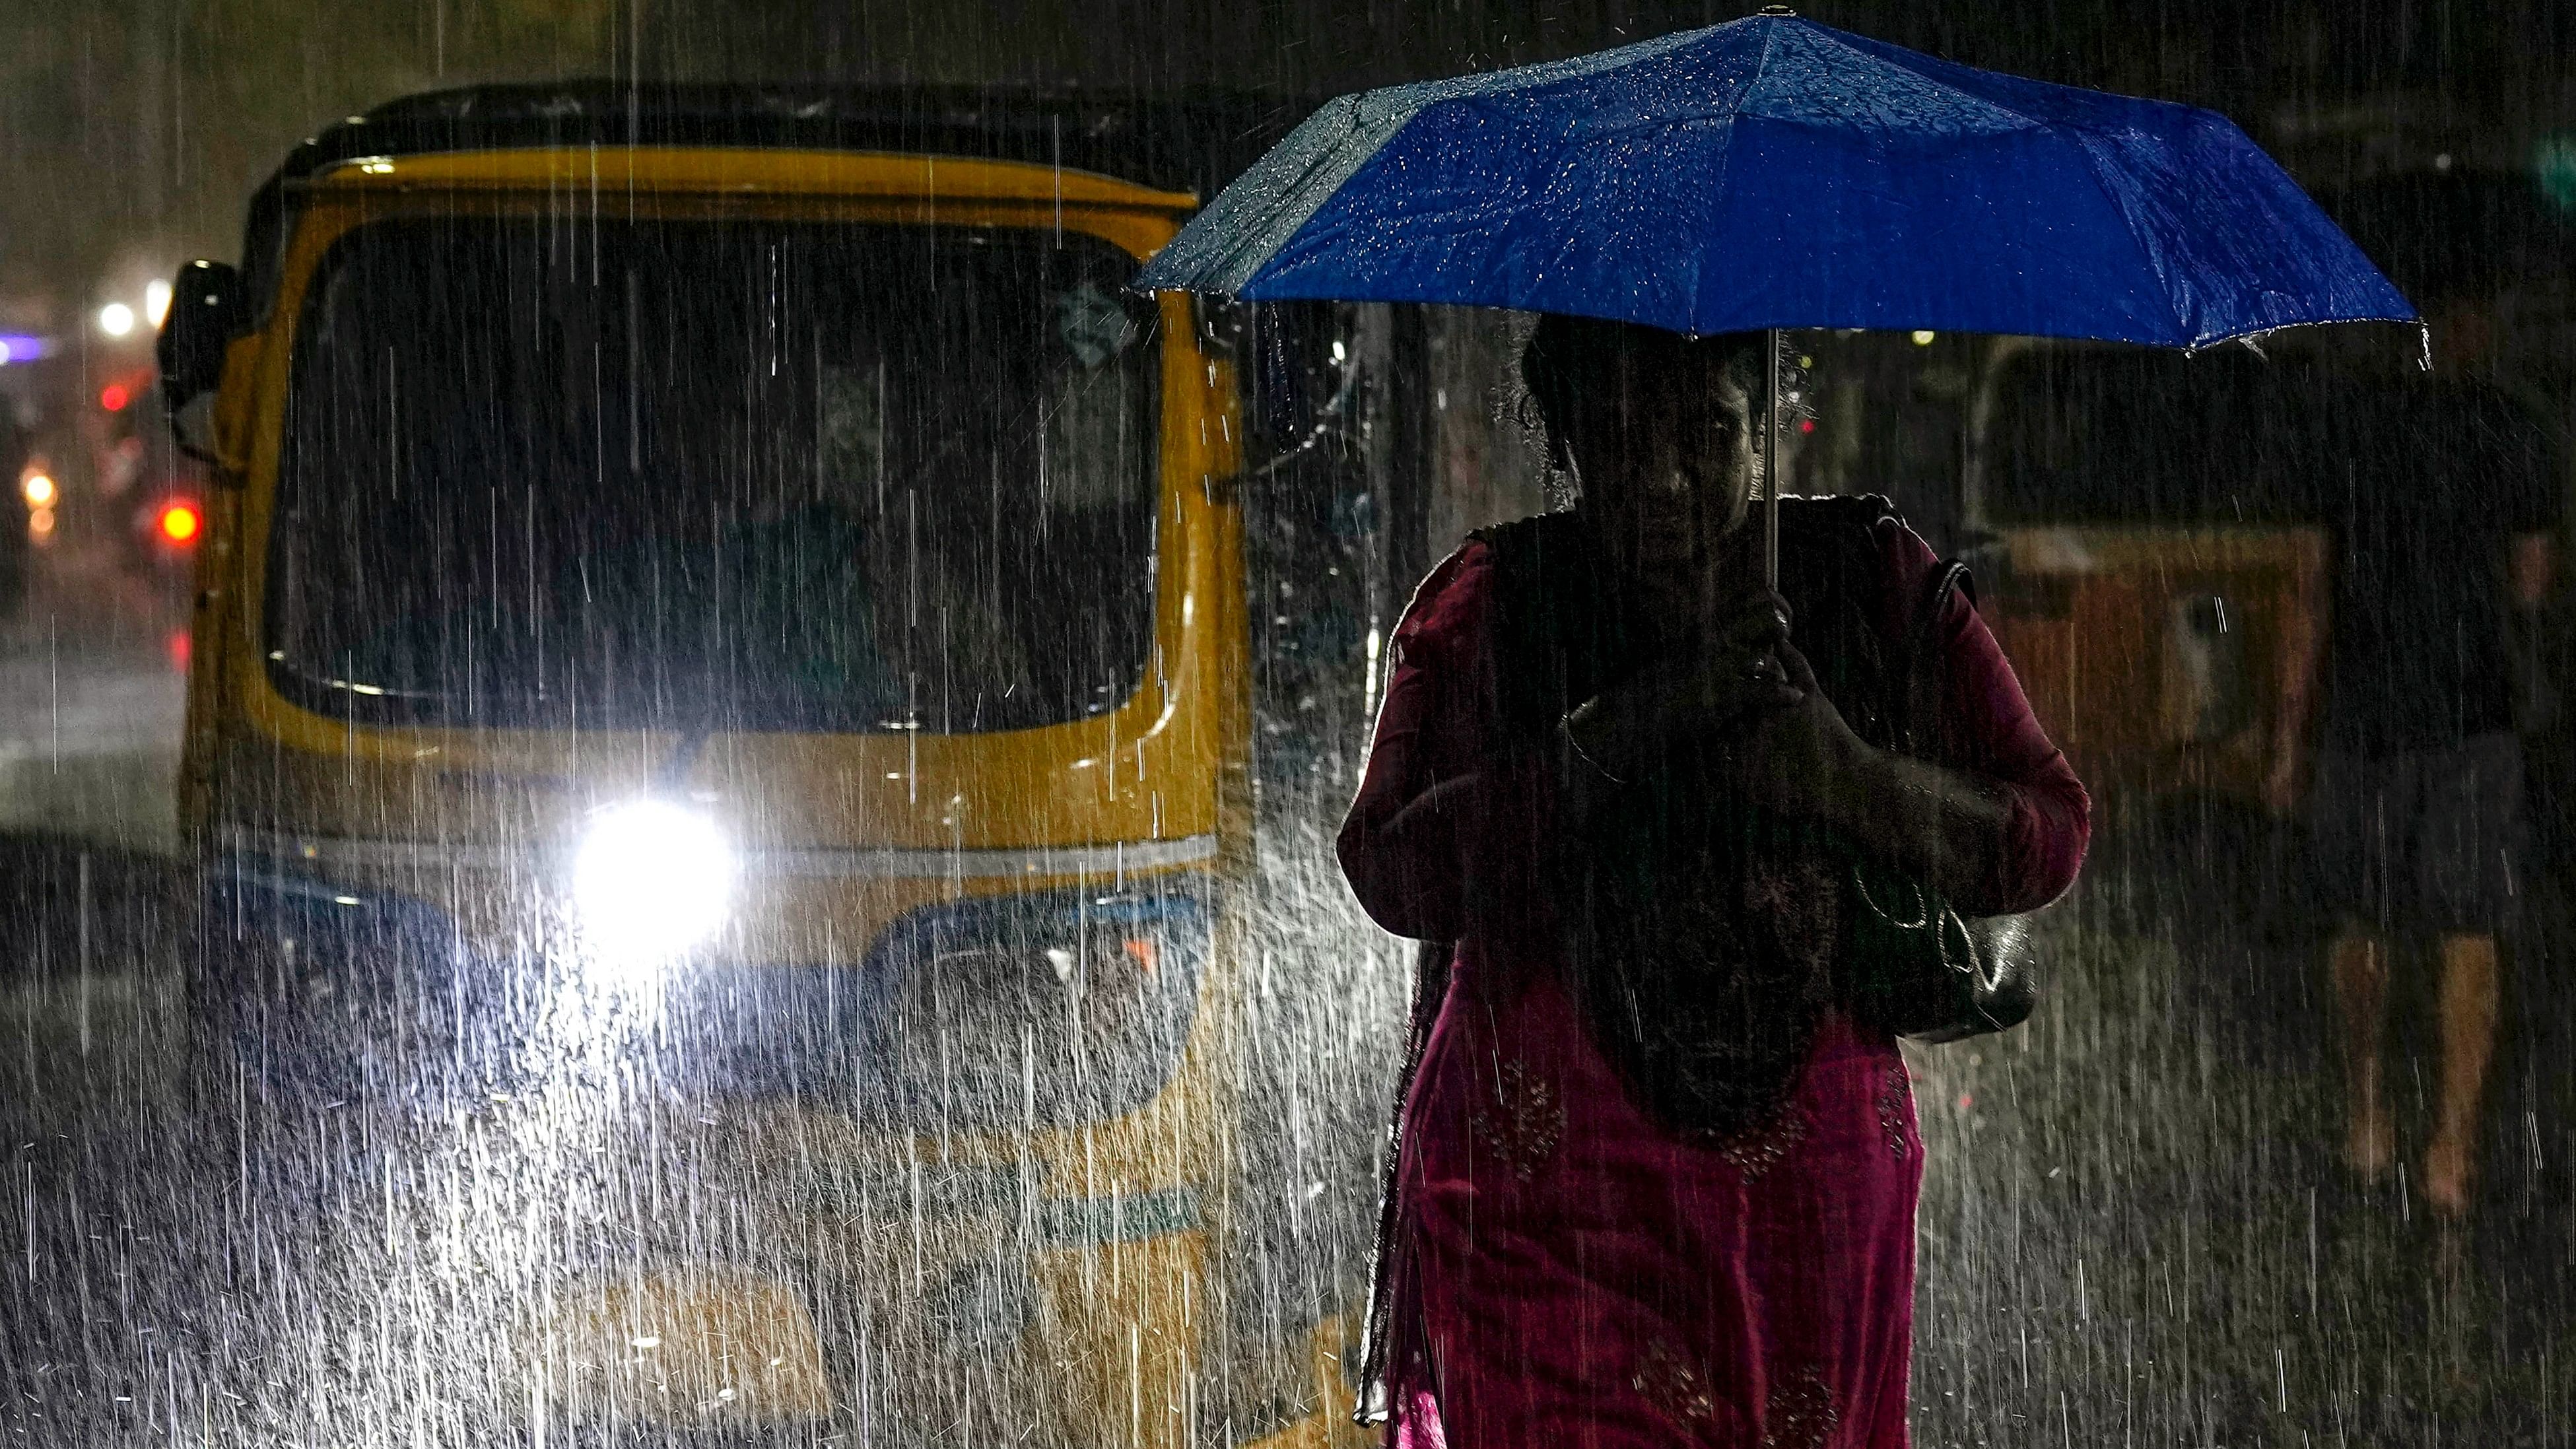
x,y
669,773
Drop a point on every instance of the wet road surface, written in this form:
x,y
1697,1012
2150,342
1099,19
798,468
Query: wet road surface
x,y
2134,1230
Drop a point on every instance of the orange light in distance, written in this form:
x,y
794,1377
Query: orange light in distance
x,y
39,490
114,397
179,522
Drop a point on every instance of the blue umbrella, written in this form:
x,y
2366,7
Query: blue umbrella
x,y
1772,172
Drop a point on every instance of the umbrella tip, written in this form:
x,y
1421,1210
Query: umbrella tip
x,y
1778,10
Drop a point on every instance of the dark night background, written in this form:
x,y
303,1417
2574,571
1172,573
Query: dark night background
x,y
2134,1231
135,128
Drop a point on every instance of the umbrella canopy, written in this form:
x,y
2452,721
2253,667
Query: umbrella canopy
x,y
1772,172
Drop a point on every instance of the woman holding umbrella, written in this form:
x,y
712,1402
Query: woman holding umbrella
x,y
1654,1183
1695,1228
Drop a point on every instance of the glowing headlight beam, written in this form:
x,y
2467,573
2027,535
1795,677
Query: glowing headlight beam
x,y
650,880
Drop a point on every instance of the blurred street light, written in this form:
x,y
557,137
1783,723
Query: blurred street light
x,y
179,521
116,319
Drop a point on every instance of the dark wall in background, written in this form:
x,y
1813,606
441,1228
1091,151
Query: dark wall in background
x,y
131,130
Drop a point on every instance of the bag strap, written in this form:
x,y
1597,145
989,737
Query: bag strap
x,y
1920,660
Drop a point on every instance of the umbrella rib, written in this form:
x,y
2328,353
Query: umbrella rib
x,y
2146,243
1231,266
1324,158
1925,68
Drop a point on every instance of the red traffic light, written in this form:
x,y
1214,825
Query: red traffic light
x,y
114,397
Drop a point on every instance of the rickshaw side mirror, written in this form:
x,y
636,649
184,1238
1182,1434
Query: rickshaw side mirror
x,y
206,313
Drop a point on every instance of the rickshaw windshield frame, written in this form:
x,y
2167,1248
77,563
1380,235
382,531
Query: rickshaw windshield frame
x,y
828,502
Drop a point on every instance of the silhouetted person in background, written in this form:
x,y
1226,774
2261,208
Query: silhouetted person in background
x,y
2418,793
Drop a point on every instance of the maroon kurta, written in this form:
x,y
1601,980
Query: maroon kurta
x,y
1564,1271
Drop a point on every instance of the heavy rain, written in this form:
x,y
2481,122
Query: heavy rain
x,y
673,772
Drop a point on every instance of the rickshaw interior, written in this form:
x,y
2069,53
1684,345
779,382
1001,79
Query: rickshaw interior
x,y
801,476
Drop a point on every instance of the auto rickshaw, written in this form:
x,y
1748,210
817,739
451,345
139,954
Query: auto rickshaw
x,y
725,590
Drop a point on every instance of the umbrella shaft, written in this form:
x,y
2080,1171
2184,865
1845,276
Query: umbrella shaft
x,y
1771,472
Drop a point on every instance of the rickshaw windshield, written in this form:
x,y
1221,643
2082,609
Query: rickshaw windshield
x,y
741,475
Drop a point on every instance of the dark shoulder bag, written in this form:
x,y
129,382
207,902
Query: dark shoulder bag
x,y
1911,963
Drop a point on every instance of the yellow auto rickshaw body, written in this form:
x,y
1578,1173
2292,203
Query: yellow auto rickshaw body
x,y
1146,773
1079,1244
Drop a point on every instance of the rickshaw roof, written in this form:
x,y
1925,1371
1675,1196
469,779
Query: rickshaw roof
x,y
1187,139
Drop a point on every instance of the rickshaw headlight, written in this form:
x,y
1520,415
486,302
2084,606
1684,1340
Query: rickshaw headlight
x,y
651,879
